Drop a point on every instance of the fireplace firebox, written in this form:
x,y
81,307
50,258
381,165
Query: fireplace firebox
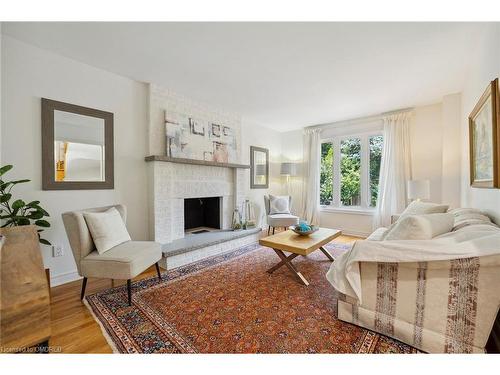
x,y
202,214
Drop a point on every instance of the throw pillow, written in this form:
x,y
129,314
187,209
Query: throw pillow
x,y
468,216
420,227
279,204
107,229
422,208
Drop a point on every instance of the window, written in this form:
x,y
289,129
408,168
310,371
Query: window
x,y
350,167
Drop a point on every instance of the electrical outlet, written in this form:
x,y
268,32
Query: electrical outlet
x,y
57,251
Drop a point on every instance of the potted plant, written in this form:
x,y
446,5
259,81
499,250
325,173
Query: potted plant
x,y
16,212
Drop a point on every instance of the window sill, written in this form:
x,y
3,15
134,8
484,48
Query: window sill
x,y
345,210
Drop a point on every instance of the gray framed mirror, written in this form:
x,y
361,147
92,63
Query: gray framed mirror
x,y
77,147
259,168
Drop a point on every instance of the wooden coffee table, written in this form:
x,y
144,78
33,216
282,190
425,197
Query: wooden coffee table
x,y
295,244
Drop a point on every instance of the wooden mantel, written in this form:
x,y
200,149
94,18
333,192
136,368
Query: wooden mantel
x,y
169,159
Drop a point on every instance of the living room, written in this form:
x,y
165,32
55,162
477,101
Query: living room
x,y
244,187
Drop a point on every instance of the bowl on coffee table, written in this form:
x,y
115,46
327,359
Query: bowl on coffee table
x,y
296,229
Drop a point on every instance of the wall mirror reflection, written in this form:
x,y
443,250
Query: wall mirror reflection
x,y
259,168
77,146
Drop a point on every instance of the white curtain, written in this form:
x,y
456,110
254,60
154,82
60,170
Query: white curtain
x,y
310,190
395,168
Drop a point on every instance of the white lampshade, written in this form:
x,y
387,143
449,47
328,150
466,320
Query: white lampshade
x,y
419,189
288,169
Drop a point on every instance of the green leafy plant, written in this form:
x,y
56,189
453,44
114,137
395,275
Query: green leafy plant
x,y
18,212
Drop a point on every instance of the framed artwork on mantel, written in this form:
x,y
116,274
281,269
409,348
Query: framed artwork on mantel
x,y
484,139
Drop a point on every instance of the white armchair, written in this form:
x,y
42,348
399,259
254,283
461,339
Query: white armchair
x,y
122,262
278,220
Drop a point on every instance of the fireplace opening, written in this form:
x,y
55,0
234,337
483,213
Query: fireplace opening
x,y
202,214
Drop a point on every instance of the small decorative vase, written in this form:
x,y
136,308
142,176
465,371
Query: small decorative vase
x,y
236,222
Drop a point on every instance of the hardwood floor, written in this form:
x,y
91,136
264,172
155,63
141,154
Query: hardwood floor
x,y
74,329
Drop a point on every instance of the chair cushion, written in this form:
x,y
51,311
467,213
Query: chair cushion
x,y
282,220
123,262
107,229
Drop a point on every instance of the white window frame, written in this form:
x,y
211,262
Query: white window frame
x,y
336,205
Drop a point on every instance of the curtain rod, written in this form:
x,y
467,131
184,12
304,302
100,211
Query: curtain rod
x,y
359,120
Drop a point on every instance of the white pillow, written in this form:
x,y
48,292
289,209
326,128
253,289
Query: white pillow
x,y
423,208
419,227
279,204
107,229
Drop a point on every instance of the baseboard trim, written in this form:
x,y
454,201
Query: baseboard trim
x,y
64,278
355,233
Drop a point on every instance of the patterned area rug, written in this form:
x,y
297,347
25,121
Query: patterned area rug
x,y
230,304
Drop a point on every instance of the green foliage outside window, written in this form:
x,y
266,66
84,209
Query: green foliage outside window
x,y
350,172
326,175
376,144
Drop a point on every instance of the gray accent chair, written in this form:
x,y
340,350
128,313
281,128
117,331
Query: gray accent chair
x,y
122,262
278,220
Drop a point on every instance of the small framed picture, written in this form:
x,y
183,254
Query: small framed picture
x,y
484,139
216,130
196,127
220,152
227,131
208,156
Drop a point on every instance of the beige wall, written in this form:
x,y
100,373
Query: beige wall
x,y
30,73
485,68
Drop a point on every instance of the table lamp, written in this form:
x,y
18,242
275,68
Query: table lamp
x,y
419,190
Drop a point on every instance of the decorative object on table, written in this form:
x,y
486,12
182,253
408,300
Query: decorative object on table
x,y
236,221
484,139
190,137
247,214
419,190
123,261
283,220
77,147
259,168
20,213
24,293
303,228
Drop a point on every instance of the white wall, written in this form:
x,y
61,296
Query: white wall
x,y
451,154
426,132
484,68
30,73
260,136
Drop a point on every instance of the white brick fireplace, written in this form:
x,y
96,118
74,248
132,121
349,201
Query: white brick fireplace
x,y
171,183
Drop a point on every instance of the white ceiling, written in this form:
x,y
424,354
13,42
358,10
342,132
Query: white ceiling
x,y
280,75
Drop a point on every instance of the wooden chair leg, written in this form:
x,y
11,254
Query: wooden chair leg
x,y
268,230
129,291
273,229
84,285
158,270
